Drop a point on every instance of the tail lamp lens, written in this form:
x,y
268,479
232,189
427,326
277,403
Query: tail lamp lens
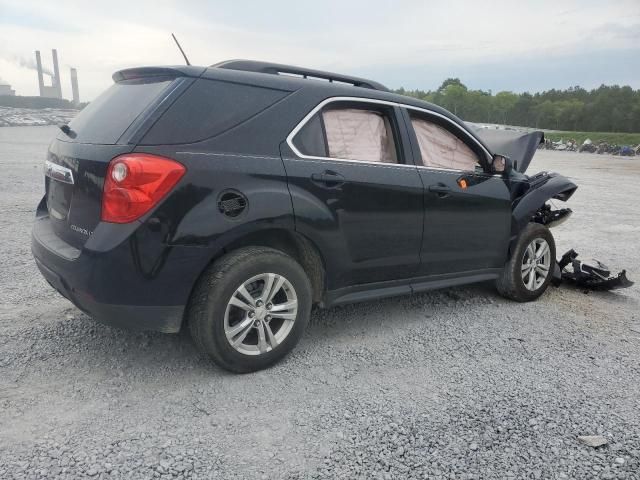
x,y
135,183
119,172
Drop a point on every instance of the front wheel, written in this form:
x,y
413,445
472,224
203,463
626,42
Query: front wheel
x,y
250,308
528,272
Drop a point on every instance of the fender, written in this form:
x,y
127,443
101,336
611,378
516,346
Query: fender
x,y
542,187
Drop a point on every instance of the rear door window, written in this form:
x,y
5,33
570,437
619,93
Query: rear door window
x,y
349,133
358,134
311,139
107,117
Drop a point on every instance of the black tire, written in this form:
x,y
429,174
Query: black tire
x,y
510,284
208,303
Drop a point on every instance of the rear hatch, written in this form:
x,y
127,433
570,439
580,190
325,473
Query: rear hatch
x,y
109,126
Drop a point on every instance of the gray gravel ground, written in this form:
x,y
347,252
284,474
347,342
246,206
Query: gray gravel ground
x,y
451,384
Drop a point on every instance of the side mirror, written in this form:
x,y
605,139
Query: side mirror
x,y
503,165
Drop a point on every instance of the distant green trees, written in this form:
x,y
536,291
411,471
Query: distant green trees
x,y
604,109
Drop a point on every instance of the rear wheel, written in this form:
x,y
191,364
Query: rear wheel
x,y
529,271
250,308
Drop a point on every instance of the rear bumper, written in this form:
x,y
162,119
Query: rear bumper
x,y
167,319
124,286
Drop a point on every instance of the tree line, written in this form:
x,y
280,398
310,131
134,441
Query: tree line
x,y
604,109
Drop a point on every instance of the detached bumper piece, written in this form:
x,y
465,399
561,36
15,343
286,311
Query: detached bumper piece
x,y
591,274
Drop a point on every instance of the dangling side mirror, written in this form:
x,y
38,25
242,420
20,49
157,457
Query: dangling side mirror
x,y
502,165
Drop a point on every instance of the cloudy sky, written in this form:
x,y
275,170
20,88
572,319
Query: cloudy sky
x,y
497,45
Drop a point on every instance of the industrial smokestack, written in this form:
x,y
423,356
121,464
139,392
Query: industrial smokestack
x,y
56,74
74,86
40,74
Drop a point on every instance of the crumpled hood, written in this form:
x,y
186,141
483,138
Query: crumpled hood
x,y
518,145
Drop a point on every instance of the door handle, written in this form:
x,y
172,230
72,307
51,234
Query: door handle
x,y
440,189
328,179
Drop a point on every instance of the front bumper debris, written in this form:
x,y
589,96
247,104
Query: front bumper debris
x,y
591,274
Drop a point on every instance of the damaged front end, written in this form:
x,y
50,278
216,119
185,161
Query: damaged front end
x,y
549,217
587,274
532,200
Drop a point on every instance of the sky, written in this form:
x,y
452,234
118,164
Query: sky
x,y
490,45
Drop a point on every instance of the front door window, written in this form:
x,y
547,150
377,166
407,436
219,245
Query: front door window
x,y
439,148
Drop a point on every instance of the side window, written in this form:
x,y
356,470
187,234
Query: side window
x,y
349,133
439,148
310,140
357,134
209,108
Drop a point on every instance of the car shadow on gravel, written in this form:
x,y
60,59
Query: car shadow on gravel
x,y
69,340
75,341
72,341
609,295
380,314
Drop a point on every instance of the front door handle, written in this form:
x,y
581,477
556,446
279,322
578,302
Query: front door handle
x,y
440,189
328,179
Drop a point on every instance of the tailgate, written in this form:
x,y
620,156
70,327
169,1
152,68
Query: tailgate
x,y
74,176
77,161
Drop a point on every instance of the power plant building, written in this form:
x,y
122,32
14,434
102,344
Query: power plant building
x,y
55,90
6,90
74,86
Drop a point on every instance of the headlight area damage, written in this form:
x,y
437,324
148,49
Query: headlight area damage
x,y
532,199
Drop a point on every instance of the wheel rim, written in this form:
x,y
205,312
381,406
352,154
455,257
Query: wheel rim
x,y
536,264
260,314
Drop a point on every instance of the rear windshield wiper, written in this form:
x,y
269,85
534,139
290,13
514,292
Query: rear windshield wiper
x,y
66,129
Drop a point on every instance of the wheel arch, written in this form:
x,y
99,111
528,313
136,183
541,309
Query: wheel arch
x,y
294,244
553,187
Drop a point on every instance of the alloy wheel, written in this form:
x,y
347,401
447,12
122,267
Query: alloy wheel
x,y
260,314
536,264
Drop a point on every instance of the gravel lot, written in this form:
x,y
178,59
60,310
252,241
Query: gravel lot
x,y
451,384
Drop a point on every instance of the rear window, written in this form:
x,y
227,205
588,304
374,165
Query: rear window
x,y
209,108
106,118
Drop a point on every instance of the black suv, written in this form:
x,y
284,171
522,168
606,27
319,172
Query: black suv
x,y
230,199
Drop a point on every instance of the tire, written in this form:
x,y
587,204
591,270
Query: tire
x,y
516,282
214,313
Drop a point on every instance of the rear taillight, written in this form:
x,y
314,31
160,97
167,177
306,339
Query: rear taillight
x,y
135,182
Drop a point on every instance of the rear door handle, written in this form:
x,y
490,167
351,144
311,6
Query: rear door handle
x,y
328,179
440,189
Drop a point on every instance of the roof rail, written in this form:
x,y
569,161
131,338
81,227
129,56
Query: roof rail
x,y
279,69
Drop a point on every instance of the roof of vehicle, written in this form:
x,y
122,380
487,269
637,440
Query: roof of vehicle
x,y
300,72
340,84
289,77
359,87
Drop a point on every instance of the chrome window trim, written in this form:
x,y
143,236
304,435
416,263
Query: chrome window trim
x,y
58,172
360,162
329,100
